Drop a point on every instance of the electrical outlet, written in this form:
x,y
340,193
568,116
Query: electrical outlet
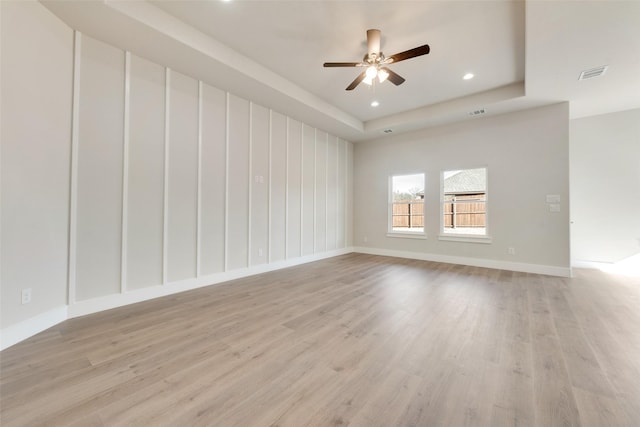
x,y
365,239
511,251
260,252
26,296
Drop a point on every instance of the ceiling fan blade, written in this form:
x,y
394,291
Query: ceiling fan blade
x,y
357,81
373,42
342,64
411,53
394,78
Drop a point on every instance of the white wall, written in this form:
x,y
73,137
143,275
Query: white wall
x,y
605,187
163,183
527,156
36,90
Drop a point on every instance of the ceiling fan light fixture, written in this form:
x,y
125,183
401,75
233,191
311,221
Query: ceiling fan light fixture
x,y
375,62
382,75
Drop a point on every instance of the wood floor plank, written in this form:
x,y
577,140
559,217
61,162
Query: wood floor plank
x,y
584,370
554,401
599,411
358,340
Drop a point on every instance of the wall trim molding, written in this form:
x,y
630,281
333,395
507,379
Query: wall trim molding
x,y
165,197
549,270
73,173
269,188
250,192
126,137
20,331
225,252
199,183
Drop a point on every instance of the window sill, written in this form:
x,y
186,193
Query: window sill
x,y
409,235
468,238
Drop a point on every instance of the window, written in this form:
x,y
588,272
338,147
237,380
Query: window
x,y
406,205
464,205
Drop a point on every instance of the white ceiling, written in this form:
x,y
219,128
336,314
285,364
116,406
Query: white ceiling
x,y
522,54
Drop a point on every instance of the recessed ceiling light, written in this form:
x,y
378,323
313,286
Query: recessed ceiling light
x,y
468,76
375,103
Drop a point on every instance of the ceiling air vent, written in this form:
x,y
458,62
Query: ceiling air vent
x,y
593,72
477,112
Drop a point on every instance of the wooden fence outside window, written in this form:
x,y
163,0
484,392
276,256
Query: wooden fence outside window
x,y
460,211
409,214
465,211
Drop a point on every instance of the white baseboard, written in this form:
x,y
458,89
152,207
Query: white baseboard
x,y
27,328
629,266
94,305
591,264
474,262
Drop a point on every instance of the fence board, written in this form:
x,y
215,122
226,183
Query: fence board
x,y
408,215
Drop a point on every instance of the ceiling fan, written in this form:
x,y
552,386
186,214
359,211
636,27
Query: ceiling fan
x,y
375,62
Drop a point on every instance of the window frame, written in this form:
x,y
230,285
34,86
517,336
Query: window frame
x,y
405,234
464,237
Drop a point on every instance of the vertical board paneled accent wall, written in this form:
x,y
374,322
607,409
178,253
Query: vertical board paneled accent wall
x,y
213,180
146,174
100,154
294,189
238,196
332,194
183,177
259,182
278,186
321,192
180,184
308,165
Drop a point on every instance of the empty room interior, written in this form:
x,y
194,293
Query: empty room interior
x,y
320,213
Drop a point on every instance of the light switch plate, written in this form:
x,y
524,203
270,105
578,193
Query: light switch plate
x,y
553,198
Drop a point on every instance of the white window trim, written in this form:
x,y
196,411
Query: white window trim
x,y
408,234
405,234
467,238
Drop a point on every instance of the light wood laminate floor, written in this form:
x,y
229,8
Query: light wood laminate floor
x,y
355,340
